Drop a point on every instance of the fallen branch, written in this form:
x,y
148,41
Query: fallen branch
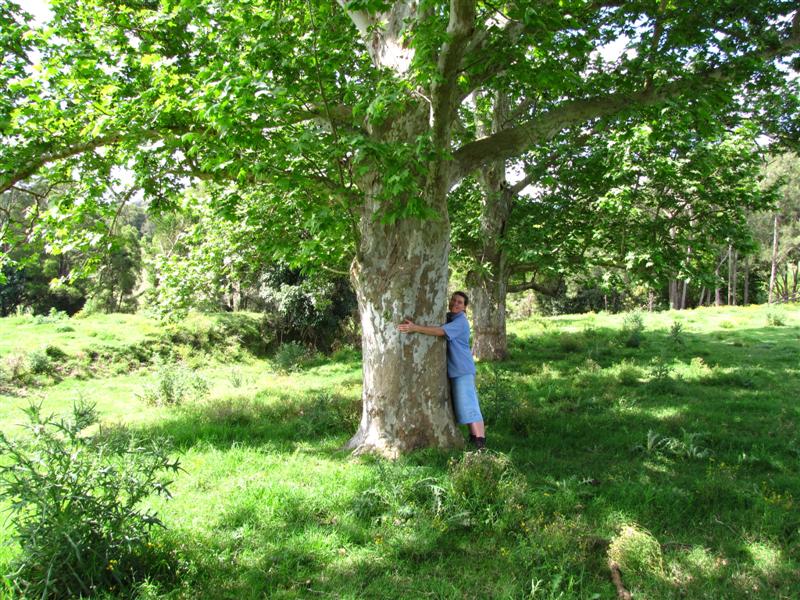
x,y
616,577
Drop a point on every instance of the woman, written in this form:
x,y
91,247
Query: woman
x,y
460,366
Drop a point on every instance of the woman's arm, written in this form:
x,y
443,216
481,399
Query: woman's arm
x,y
408,326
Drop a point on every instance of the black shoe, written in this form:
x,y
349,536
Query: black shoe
x,y
480,442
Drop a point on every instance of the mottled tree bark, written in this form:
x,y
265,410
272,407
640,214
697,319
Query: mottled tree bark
x,y
488,281
401,272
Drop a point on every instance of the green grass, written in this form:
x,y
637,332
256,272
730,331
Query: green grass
x,y
680,457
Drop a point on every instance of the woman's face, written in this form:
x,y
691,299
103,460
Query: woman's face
x,y
457,304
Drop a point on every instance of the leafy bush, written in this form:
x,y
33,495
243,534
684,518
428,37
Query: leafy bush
x,y
290,357
174,384
637,553
632,329
14,368
55,353
54,316
75,506
660,370
628,373
676,333
39,363
486,490
315,311
698,369
236,377
496,393
569,342
776,319
688,446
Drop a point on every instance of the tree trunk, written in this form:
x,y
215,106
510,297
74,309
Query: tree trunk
x,y
488,298
717,289
730,274
773,269
688,259
673,294
702,296
746,286
401,272
488,286
786,284
405,397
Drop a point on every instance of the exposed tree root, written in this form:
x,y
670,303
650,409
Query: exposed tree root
x,y
616,577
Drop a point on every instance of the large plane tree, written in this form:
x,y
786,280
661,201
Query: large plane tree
x,y
363,113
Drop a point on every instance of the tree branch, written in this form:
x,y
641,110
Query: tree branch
x,y
536,287
335,114
475,53
510,34
444,91
514,141
8,180
522,184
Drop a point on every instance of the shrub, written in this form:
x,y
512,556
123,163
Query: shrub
x,y
637,553
315,311
569,342
496,392
486,490
688,446
776,319
236,377
632,329
676,333
39,363
75,506
54,316
15,367
628,373
174,384
698,369
660,370
290,357
55,353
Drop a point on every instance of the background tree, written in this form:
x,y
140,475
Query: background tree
x,y
779,232
648,200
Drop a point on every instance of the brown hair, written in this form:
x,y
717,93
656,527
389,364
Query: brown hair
x,y
464,296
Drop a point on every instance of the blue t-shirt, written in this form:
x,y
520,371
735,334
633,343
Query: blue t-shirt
x,y
459,355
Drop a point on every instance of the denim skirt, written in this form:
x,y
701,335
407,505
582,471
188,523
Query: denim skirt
x,y
465,399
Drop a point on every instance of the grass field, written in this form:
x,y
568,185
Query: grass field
x,y
671,448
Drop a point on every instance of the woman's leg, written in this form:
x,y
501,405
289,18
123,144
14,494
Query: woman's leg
x,y
477,429
467,409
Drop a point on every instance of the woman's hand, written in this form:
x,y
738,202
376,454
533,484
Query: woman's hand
x,y
407,326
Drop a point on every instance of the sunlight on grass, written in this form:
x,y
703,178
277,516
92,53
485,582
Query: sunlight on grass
x,y
767,559
673,439
667,413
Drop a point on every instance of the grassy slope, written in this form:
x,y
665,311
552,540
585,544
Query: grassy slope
x,y
695,442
